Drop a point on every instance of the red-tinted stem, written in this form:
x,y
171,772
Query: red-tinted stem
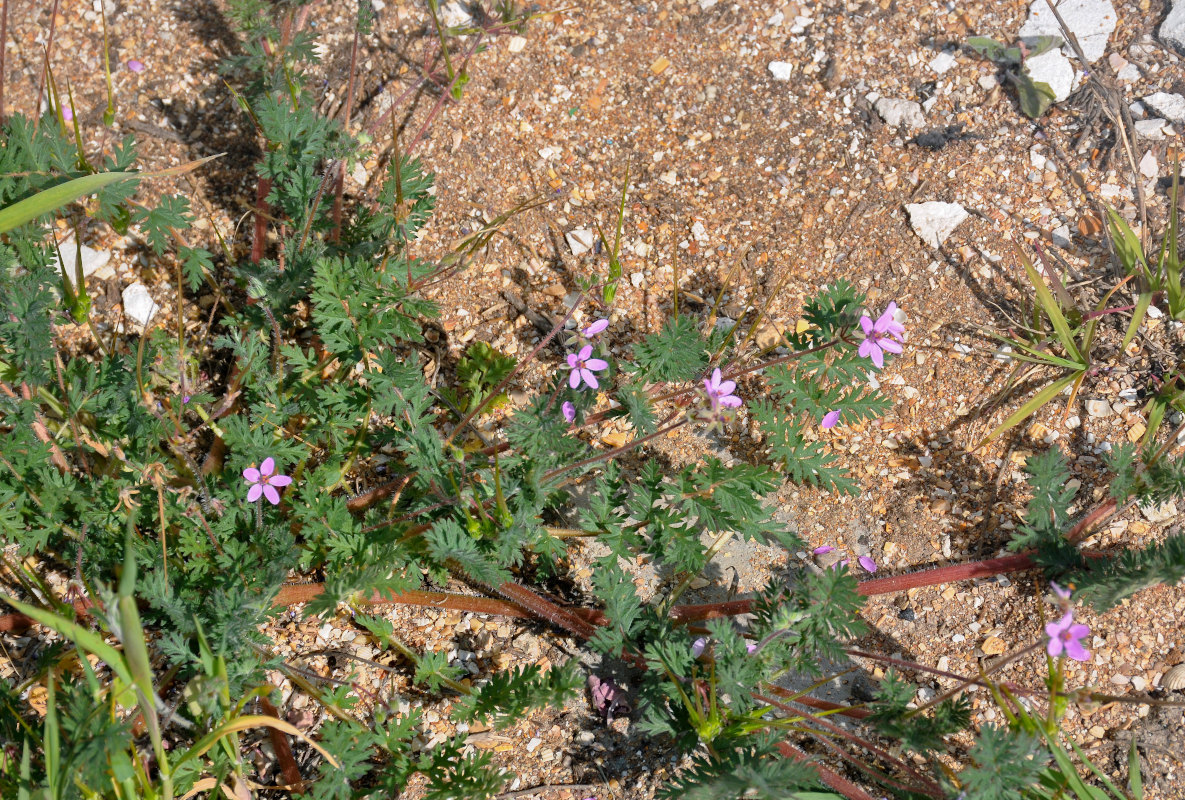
x,y
831,779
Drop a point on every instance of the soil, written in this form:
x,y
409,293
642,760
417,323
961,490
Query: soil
x,y
766,189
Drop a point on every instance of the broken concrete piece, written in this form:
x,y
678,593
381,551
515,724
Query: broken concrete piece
x,y
1169,106
900,112
138,304
1091,21
935,221
1054,69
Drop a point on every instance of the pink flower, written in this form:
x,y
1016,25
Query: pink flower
x,y
134,65
583,366
1065,636
595,328
67,114
881,336
568,410
751,648
264,481
1064,594
867,562
824,549
830,419
720,392
697,647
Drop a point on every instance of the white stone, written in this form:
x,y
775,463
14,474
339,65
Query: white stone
x,y
698,232
455,15
1054,69
637,279
1061,236
580,241
1172,31
942,62
670,177
1098,408
1091,21
781,70
93,261
1169,106
900,112
138,304
1148,166
988,82
935,221
1153,130
517,43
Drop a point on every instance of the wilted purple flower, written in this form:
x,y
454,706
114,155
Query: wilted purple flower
x,y
568,410
1065,636
135,65
582,366
830,419
697,647
867,562
881,336
608,699
823,549
1064,594
720,391
264,481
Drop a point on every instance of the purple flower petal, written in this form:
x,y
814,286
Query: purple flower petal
x,y
889,344
595,328
1076,651
751,648
267,467
589,378
279,480
596,363
254,492
573,360
1059,591
878,356
252,474
67,114
867,563
824,549
830,419
271,494
135,65
726,387
866,348
697,647
568,410
585,352
574,378
867,325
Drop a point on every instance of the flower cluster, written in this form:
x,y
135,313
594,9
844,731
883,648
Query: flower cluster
x,y
880,337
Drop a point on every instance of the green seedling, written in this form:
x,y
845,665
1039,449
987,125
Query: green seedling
x,y
1034,97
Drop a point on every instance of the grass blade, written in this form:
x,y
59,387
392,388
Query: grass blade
x,y
1029,408
55,197
1053,311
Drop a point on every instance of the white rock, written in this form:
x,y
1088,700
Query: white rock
x,y
92,261
670,177
1091,21
1169,106
934,221
517,43
1148,165
1056,70
781,70
699,232
637,279
138,304
1061,236
900,112
942,62
988,82
455,15
580,241
1172,31
1152,129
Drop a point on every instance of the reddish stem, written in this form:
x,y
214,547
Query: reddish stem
x,y
832,779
